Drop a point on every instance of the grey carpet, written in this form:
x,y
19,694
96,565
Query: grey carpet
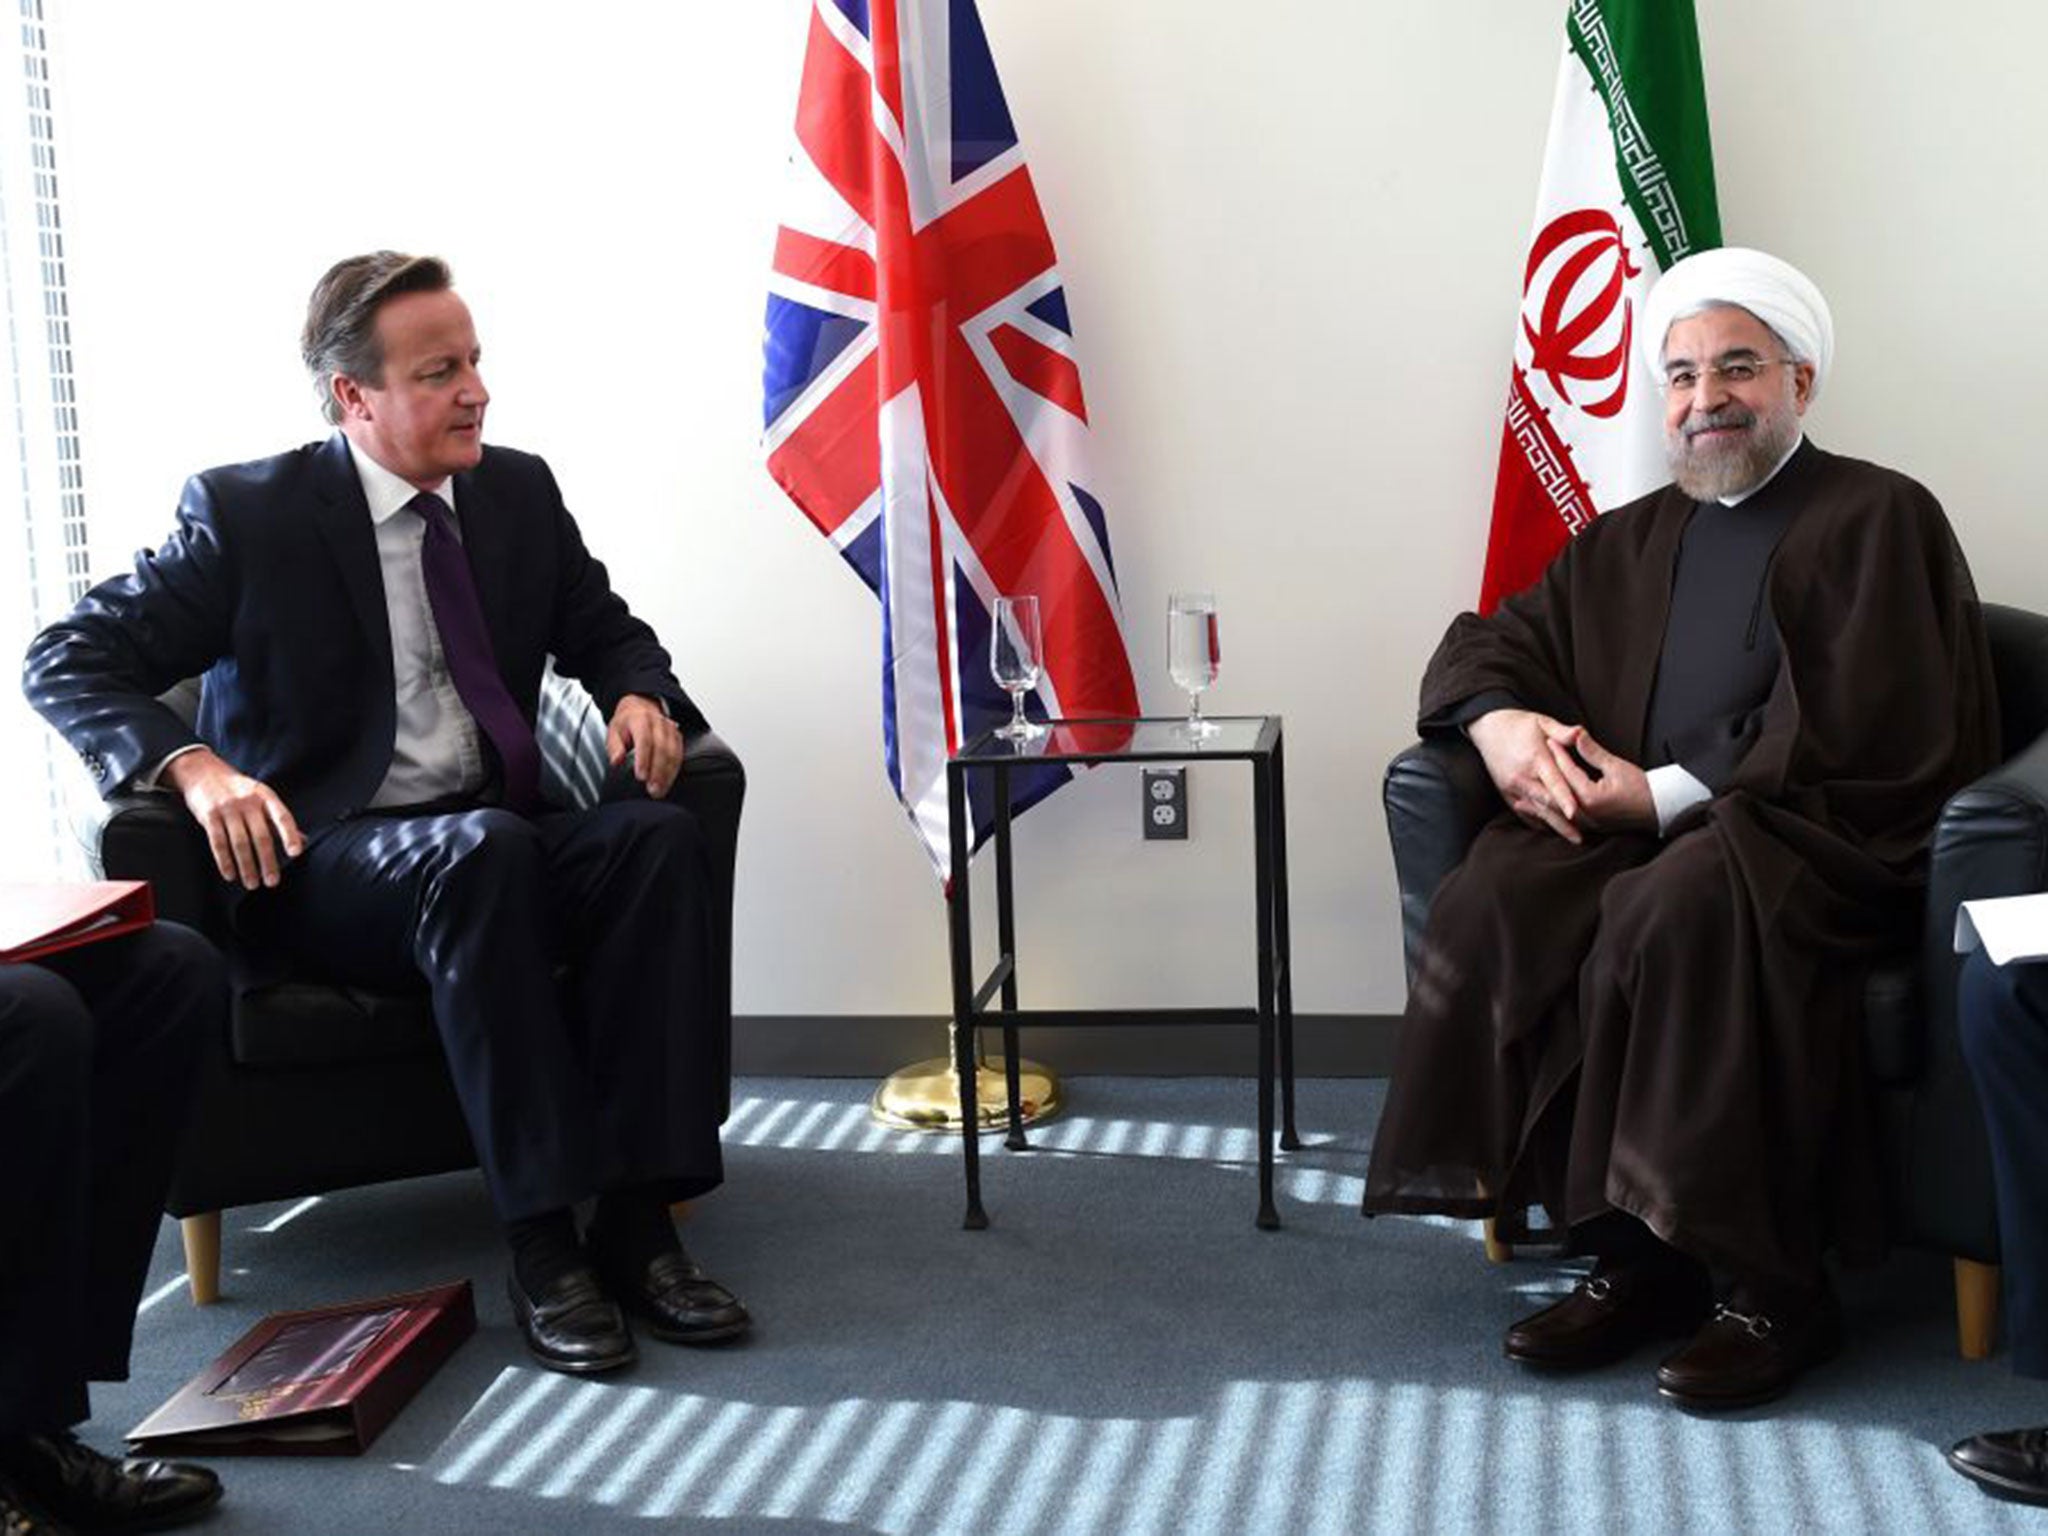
x,y
1121,1351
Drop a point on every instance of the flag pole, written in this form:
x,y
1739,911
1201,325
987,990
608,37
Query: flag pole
x,y
925,1096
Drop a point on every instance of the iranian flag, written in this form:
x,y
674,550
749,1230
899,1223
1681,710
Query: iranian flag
x,y
1628,189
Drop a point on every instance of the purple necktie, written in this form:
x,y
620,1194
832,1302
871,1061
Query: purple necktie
x,y
466,644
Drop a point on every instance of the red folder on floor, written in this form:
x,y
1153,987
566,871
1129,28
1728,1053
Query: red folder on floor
x,y
40,919
317,1383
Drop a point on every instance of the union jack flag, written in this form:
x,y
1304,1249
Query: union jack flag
x,y
923,403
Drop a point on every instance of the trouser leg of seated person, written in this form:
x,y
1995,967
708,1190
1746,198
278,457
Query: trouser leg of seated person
x,y
46,1049
648,860
633,892
98,1048
2002,1015
562,1101
565,1098
472,903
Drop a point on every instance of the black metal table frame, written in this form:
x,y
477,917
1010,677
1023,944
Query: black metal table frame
x,y
1273,1014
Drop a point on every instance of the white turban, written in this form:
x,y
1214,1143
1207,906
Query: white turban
x,y
1775,291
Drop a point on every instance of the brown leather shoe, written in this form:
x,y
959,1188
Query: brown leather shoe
x,y
1746,1355
1610,1313
2007,1463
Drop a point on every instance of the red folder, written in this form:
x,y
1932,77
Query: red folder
x,y
42,919
319,1383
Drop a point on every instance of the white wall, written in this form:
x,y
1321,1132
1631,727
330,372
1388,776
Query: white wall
x,y
1292,235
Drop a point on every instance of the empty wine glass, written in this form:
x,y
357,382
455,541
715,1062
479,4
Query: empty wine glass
x,y
1014,657
1192,652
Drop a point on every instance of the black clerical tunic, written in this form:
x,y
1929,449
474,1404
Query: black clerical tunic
x,y
1720,650
1666,1026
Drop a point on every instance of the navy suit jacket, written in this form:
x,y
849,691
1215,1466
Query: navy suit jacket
x,y
270,586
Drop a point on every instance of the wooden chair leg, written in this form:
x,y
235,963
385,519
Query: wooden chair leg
x,y
1497,1252
1976,1307
202,1256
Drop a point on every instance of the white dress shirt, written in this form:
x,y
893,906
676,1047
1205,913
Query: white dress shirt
x,y
437,751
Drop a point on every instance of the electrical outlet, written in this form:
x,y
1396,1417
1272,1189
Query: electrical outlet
x,y
1166,803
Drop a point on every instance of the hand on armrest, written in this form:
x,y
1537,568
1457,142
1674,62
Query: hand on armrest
x,y
248,828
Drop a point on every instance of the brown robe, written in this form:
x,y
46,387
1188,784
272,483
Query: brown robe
x,y
1670,1027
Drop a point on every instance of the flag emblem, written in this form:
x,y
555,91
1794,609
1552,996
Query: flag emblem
x,y
1628,190
1582,261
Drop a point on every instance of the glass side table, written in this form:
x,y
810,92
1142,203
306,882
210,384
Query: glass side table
x,y
1253,739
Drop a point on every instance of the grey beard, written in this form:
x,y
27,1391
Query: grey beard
x,y
1732,469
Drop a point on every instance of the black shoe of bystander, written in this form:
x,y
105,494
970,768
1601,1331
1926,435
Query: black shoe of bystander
x,y
2009,1463
59,1483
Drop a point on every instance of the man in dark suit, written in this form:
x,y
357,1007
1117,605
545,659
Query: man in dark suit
x,y
2002,1011
372,615
98,1047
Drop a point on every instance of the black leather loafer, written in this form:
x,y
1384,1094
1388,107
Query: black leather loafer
x,y
59,1483
1610,1313
676,1300
1744,1356
2007,1463
572,1325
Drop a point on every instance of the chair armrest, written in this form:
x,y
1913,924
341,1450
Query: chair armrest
x,y
151,836
1437,795
706,756
712,787
575,771
1991,840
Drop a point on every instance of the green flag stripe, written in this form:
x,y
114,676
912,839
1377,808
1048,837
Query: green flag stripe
x,y
1644,57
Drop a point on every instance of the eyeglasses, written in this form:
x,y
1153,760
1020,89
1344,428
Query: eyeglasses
x,y
1737,372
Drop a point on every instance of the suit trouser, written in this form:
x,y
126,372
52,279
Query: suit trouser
x,y
570,1085
2003,1015
98,1047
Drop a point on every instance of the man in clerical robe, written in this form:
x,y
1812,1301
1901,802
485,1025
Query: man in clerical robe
x,y
1723,722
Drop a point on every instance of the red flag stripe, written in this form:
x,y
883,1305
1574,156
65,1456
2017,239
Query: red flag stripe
x,y
834,118
1037,366
833,469
824,263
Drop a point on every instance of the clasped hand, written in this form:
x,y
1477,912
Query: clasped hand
x,y
1541,768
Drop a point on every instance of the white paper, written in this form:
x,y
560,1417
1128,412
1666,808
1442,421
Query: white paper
x,y
2009,927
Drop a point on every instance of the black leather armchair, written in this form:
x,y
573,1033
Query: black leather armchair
x,y
318,1087
1991,840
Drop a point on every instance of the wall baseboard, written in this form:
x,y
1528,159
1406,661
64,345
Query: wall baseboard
x,y
874,1045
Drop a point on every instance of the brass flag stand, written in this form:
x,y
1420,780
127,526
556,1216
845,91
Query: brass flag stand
x,y
925,1096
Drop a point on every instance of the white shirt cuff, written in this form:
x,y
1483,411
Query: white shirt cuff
x,y
150,779
1674,791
